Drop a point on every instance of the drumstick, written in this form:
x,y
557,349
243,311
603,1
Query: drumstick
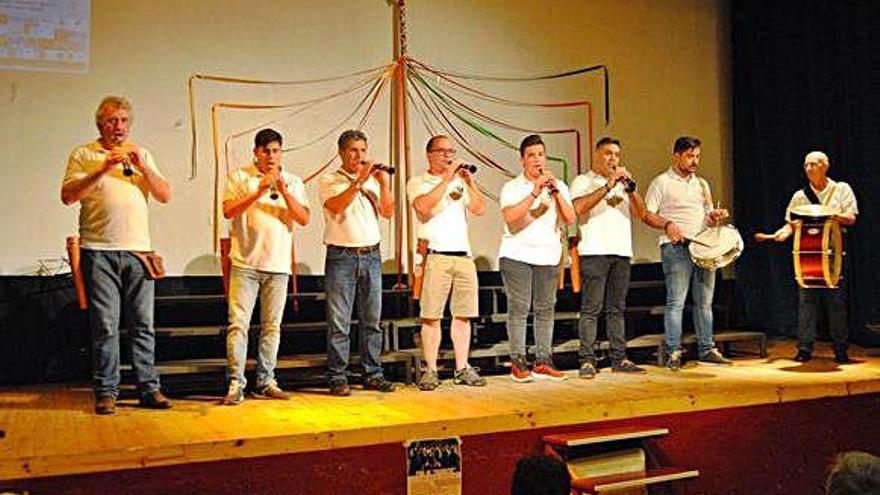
x,y
695,241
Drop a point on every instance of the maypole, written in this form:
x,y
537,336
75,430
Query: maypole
x,y
400,144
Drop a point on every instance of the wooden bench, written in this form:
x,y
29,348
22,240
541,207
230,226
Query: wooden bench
x,y
296,361
758,339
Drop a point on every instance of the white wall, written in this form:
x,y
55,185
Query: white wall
x,y
669,74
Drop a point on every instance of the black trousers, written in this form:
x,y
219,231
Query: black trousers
x,y
810,300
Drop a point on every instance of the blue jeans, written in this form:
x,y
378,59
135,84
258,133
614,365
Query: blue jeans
x,y
681,273
353,276
119,291
605,281
244,286
528,286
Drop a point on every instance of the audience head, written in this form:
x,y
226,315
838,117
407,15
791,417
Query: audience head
x,y
854,473
540,475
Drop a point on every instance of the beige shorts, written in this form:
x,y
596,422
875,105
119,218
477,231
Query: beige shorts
x,y
443,274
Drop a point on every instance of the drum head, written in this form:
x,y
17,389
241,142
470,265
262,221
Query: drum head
x,y
716,247
813,211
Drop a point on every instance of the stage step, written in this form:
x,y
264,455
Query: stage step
x,y
604,435
627,481
615,459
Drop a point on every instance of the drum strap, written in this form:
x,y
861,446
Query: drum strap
x,y
811,195
707,196
814,198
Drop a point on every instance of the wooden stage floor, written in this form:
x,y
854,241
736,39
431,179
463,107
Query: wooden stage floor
x,y
51,430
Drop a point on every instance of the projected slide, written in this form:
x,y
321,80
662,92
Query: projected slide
x,y
44,35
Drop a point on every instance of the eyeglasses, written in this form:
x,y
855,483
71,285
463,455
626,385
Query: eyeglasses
x,y
445,151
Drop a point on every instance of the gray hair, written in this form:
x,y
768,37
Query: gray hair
x,y
112,102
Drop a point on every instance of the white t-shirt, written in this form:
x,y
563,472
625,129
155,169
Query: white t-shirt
x,y
447,230
539,243
607,228
837,195
260,238
358,224
686,202
113,215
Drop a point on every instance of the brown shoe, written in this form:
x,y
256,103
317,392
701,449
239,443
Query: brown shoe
x,y
272,391
340,389
379,383
105,405
155,400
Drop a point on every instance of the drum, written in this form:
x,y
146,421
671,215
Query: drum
x,y
818,247
716,247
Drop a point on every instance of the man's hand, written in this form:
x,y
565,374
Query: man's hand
x,y
673,232
548,180
619,174
367,168
717,215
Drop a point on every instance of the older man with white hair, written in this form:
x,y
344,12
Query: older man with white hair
x,y
839,197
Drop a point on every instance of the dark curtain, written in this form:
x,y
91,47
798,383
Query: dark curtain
x,y
806,76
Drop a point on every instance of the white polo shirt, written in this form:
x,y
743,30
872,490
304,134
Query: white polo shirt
x,y
114,214
358,224
685,201
607,227
447,230
538,243
837,195
260,239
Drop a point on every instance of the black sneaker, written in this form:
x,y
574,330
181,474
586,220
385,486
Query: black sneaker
x,y
626,366
587,370
803,356
379,383
673,362
840,356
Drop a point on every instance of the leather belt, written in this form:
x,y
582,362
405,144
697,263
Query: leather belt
x,y
449,253
356,249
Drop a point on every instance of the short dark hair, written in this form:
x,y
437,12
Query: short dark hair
x,y
540,475
267,136
430,143
854,473
349,136
607,140
530,140
684,143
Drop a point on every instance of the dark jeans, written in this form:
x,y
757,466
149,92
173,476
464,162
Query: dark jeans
x,y
353,276
119,291
809,302
605,282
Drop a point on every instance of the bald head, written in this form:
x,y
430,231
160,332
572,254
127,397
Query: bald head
x,y
816,168
816,157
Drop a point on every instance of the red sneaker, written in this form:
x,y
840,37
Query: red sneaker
x,y
546,371
519,370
